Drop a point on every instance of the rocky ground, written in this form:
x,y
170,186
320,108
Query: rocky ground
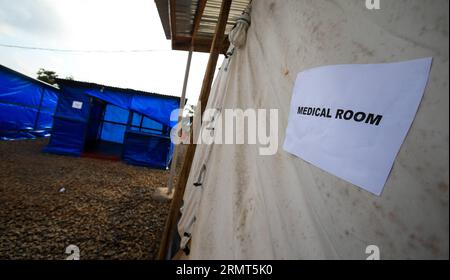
x,y
108,209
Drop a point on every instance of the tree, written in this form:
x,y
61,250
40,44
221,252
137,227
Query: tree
x,y
47,76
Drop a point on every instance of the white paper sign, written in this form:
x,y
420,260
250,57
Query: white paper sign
x,y
77,104
350,120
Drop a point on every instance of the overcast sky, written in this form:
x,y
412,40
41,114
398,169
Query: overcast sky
x,y
97,25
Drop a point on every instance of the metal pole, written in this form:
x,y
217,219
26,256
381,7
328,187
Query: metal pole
x,y
216,46
173,166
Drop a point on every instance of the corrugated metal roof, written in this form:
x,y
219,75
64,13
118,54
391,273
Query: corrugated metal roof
x,y
82,84
185,12
210,15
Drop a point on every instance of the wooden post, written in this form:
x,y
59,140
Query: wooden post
x,y
216,46
197,20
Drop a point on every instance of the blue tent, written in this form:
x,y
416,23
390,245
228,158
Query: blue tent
x,y
103,120
26,106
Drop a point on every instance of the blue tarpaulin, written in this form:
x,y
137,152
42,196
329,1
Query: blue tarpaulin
x,y
88,114
145,149
157,107
26,106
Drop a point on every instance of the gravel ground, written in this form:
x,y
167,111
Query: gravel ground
x,y
108,209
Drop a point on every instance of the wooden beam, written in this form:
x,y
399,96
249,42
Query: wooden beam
x,y
163,11
202,40
187,47
197,20
205,48
171,224
214,53
173,20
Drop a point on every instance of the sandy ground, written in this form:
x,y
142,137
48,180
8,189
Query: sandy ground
x,y
108,209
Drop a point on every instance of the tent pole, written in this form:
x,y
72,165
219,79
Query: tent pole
x,y
177,200
101,123
130,119
198,16
140,123
173,165
38,114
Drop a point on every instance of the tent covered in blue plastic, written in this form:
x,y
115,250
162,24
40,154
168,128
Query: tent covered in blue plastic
x,y
93,119
26,106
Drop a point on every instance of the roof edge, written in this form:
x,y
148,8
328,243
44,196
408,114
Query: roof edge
x,y
163,10
67,82
2,67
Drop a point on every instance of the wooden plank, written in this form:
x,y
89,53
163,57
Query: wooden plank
x,y
163,10
204,46
197,20
171,225
173,20
216,46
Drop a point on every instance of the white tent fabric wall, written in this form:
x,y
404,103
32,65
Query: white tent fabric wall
x,y
199,168
194,189
280,207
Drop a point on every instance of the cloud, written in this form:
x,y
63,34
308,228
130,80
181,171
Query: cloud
x,y
97,25
33,17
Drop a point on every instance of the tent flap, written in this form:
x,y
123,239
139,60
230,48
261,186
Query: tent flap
x,y
67,137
